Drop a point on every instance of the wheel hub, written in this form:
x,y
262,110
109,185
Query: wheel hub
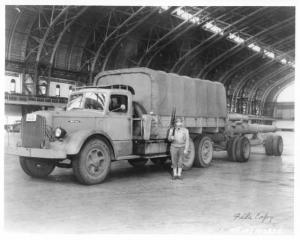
x,y
95,161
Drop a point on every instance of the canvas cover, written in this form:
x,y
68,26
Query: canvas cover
x,y
159,92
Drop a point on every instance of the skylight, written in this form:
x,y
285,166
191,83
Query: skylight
x,y
269,54
216,29
236,38
254,47
284,61
213,28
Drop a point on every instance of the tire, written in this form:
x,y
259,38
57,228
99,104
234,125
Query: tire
x,y
231,148
203,151
277,145
92,164
37,167
243,149
158,161
138,163
188,159
269,145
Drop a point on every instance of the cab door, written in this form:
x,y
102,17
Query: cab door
x,y
118,123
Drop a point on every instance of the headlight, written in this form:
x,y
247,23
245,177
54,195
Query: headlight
x,y
60,132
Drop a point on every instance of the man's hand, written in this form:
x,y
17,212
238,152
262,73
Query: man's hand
x,y
171,138
185,152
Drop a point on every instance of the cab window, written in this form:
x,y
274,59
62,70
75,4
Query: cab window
x,y
118,103
94,101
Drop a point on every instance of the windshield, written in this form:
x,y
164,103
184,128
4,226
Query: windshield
x,y
75,101
88,100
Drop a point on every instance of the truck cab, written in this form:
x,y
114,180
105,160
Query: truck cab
x,y
99,119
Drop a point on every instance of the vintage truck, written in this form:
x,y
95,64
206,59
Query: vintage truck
x,y
126,115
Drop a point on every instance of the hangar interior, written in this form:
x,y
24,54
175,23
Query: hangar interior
x,y
50,50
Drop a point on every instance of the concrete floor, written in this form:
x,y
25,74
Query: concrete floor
x,y
227,197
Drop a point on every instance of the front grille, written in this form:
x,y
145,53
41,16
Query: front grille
x,y
33,134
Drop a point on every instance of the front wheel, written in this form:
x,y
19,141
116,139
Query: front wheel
x,y
37,167
92,165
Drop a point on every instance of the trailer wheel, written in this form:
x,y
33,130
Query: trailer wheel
x,y
188,159
269,145
203,151
138,162
37,167
232,148
158,161
277,145
243,149
92,164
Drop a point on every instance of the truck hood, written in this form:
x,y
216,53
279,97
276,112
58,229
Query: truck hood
x,y
71,120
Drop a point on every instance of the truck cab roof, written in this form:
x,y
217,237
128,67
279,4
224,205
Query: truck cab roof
x,y
106,88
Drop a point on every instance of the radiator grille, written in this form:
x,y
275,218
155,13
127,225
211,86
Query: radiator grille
x,y
33,133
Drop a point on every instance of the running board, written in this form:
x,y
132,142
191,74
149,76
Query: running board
x,y
141,156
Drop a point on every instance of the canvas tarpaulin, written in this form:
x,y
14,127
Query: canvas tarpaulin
x,y
159,92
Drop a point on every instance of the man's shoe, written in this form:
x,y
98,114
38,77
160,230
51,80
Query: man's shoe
x,y
173,177
180,177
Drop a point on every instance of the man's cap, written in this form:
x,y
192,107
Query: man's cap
x,y
179,119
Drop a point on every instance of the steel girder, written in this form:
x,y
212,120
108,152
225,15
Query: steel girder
x,y
194,49
203,21
244,80
148,50
247,61
277,93
124,35
66,27
51,24
252,93
287,78
253,90
108,37
283,81
228,53
11,34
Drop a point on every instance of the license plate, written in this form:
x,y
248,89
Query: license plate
x,y
31,117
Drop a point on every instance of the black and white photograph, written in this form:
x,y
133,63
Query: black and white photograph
x,y
149,118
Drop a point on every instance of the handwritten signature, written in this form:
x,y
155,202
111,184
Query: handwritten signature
x,y
262,217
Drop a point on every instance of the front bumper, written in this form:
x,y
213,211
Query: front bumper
x,y
36,152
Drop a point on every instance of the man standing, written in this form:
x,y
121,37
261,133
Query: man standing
x,y
179,147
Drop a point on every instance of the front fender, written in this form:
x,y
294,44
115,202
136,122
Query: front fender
x,y
74,141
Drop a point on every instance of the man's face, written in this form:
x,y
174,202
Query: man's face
x,y
178,124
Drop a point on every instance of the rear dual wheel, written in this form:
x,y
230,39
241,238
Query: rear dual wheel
x,y
203,151
239,149
188,159
273,145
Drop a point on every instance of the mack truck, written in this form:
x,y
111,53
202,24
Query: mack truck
x,y
126,115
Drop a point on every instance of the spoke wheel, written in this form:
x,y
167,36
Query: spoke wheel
x,y
92,164
204,151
